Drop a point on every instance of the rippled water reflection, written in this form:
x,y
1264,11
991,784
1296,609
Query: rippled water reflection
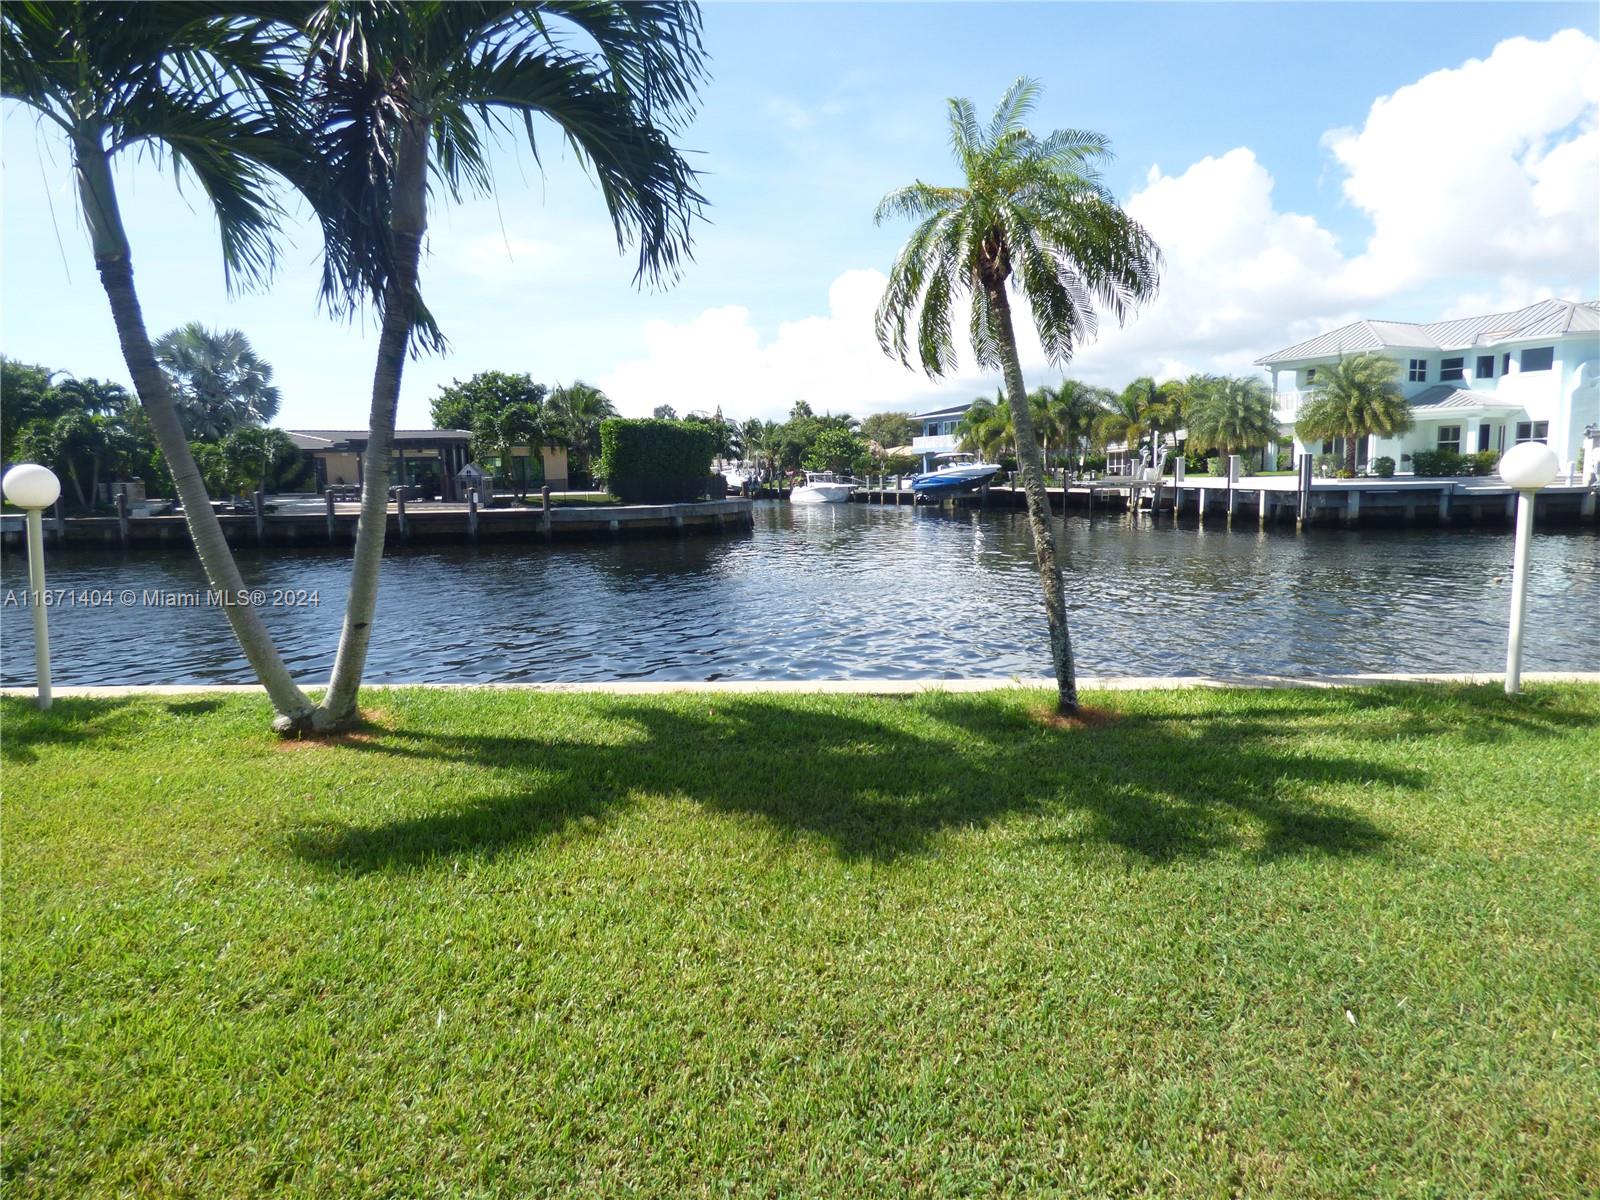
x,y
840,591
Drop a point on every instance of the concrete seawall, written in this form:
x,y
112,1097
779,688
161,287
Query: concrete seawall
x,y
420,523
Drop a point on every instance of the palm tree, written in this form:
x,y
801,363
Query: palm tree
x,y
1354,399
217,379
1080,406
1068,413
1030,215
171,80
986,427
1232,415
406,91
576,410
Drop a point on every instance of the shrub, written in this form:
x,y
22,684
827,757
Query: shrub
x,y
1216,466
654,461
1383,467
1483,462
1285,462
1435,464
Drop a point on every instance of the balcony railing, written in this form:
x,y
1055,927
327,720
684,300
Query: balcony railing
x,y
943,443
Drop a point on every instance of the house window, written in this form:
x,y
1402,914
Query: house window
x,y
1532,431
1450,438
1485,367
1540,359
1452,368
1311,375
1505,363
1419,370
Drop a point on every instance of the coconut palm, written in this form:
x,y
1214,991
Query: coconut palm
x,y
1064,416
1030,216
409,92
1354,399
207,94
1231,414
217,379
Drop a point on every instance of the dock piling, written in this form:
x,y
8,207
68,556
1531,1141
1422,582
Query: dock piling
x,y
122,514
333,524
259,501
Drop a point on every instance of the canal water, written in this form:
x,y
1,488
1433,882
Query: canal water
x,y
842,591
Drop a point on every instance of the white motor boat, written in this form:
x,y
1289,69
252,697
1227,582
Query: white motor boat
x,y
822,487
963,473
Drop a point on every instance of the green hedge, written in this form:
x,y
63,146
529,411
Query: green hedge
x,y
1436,464
652,461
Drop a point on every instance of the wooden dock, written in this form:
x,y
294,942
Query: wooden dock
x,y
409,523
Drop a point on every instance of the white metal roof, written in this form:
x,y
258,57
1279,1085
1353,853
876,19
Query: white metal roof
x,y
1547,318
1444,399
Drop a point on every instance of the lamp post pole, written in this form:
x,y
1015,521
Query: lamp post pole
x,y
1527,468
33,489
1519,591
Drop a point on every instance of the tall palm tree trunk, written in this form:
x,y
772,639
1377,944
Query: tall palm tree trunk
x,y
115,263
1350,447
408,221
1031,468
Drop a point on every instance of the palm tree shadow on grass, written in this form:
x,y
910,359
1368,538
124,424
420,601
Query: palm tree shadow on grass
x,y
871,789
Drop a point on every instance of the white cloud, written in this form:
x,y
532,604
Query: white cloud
x,y
832,362
1480,180
1492,164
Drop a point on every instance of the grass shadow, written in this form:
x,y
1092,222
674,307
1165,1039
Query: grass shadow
x,y
870,787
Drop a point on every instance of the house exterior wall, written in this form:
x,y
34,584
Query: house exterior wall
x,y
1566,396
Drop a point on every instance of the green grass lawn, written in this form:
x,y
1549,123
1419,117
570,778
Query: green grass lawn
x,y
1275,943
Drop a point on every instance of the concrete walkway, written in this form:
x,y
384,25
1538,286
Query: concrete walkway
x,y
869,687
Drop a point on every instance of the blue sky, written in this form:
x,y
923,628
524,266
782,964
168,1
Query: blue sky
x,y
1464,176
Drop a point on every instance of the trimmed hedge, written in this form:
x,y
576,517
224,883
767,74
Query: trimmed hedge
x,y
650,461
1435,464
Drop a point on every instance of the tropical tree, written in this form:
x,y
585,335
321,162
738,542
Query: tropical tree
x,y
986,428
502,430
888,429
217,379
476,403
664,412
1067,413
1031,216
253,457
212,97
1231,414
575,411
405,92
1354,399
836,450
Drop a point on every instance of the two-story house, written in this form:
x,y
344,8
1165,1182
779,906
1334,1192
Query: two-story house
x,y
1474,383
937,432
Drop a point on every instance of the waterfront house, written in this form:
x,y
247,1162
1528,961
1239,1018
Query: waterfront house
x,y
937,432
427,458
1474,383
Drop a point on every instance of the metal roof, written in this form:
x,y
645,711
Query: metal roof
x,y
328,439
951,410
1445,399
1548,318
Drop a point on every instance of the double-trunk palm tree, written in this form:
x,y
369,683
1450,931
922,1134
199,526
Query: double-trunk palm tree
x,y
1032,217
210,93
409,92
1354,399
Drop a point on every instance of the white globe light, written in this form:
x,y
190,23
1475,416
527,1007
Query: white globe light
x,y
28,485
1529,466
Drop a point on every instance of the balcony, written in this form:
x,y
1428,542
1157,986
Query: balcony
x,y
1286,405
944,443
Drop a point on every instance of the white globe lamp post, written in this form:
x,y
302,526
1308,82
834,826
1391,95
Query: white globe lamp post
x,y
33,489
1527,467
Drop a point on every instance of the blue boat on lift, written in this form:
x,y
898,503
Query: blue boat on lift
x,y
964,473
